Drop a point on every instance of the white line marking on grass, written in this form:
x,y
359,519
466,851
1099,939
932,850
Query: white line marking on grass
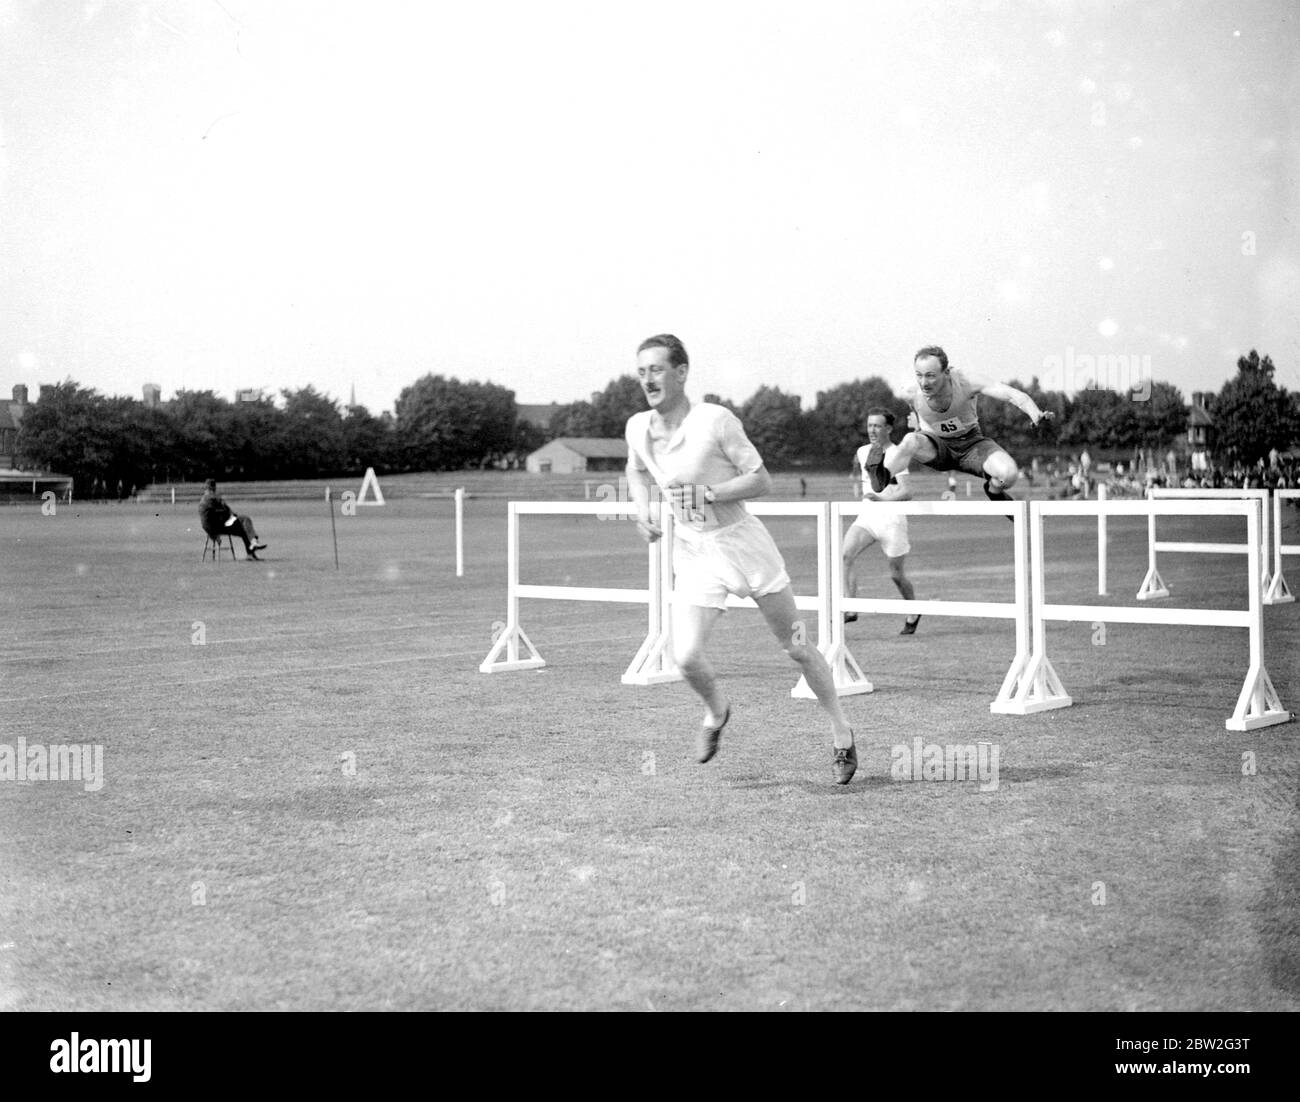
x,y
319,628
247,675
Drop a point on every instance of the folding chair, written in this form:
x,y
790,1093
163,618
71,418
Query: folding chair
x,y
213,543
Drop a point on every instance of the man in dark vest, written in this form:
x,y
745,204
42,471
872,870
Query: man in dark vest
x,y
889,531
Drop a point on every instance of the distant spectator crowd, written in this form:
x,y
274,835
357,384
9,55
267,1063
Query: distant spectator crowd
x,y
1077,478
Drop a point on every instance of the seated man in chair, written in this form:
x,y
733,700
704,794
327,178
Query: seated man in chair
x,y
218,519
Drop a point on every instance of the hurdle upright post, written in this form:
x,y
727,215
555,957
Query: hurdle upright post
x,y
1153,585
508,636
1278,591
654,663
1259,704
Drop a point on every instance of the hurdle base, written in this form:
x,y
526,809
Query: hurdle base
x,y
1152,587
1259,705
662,678
509,641
507,667
1038,690
653,664
1278,593
848,675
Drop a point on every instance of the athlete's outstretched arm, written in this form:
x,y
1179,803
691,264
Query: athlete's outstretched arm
x,y
1017,398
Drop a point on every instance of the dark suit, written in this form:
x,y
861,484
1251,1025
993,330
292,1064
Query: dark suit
x,y
213,515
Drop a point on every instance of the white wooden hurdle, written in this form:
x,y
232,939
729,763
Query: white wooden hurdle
x,y
653,662
1258,704
1153,586
1279,593
849,677
1030,685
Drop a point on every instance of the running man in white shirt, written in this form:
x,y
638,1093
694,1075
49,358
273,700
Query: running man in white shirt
x,y
948,436
706,467
890,531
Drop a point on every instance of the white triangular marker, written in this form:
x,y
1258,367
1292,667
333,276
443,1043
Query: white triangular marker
x,y
371,482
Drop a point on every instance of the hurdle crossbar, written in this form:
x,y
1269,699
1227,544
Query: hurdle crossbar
x,y
653,661
1279,593
1258,704
848,674
1153,586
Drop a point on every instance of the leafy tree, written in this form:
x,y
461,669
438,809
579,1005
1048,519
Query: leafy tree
x,y
205,434
724,402
368,441
1252,414
313,431
604,415
444,424
258,444
612,406
1161,416
491,436
776,425
575,419
1100,419
528,438
68,431
838,421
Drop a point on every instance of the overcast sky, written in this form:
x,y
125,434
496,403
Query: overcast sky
x,y
216,194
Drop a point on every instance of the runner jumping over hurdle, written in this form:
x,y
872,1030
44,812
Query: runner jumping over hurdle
x,y
948,435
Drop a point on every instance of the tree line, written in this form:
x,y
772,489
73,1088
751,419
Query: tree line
x,y
444,423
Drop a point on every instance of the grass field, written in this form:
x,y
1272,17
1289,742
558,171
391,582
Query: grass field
x,y
312,799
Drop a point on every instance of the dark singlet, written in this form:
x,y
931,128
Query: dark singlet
x,y
876,470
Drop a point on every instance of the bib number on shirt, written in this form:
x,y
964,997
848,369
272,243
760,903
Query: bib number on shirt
x,y
948,426
692,508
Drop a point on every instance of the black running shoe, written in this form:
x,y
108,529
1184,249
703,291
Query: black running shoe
x,y
707,745
996,495
846,763
850,617
999,495
909,625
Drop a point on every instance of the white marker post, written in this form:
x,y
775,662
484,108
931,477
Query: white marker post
x,y
1101,543
333,530
460,531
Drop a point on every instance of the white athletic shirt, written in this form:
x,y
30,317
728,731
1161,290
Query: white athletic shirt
x,y
710,447
960,416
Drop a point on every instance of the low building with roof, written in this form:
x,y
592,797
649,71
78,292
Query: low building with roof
x,y
576,454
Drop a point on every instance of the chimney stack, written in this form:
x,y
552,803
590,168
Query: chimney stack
x,y
20,394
